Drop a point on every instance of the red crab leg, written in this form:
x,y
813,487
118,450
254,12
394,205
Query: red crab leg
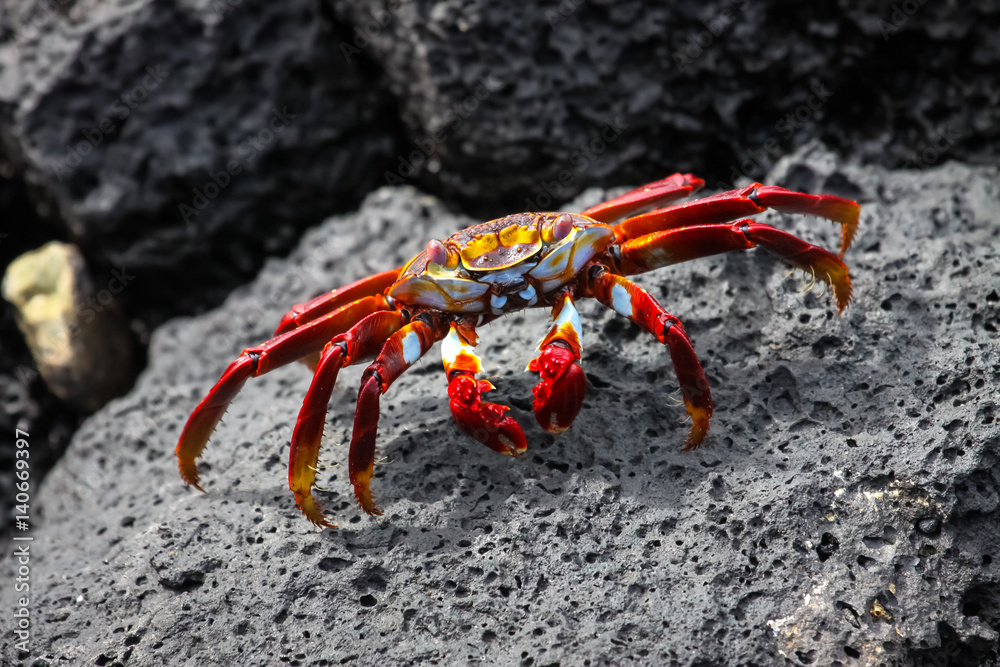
x,y
734,204
660,192
401,351
560,393
254,361
628,299
302,313
485,422
362,342
679,245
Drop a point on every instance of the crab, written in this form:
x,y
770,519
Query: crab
x,y
524,260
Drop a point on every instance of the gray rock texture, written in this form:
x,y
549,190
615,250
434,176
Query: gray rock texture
x,y
843,512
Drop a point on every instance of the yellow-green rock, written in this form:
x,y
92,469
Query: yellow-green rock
x,y
81,343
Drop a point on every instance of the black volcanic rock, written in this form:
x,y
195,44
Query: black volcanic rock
x,y
186,141
617,92
843,511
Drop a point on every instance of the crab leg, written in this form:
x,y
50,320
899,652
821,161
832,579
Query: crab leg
x,y
485,422
753,199
679,245
653,194
254,361
628,299
560,393
400,351
361,342
302,313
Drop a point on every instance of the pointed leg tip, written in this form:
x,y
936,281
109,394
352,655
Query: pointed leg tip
x,y
695,440
849,225
321,521
367,502
699,427
312,510
189,473
843,291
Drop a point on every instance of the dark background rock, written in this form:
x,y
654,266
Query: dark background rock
x,y
115,115
701,86
843,511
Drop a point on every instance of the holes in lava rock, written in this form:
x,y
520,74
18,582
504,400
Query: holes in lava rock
x,y
886,304
866,562
983,601
824,345
849,613
806,658
334,564
827,546
889,535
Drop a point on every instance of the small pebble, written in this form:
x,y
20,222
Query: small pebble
x,y
929,526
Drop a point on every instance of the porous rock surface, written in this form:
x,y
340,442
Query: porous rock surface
x,y
843,511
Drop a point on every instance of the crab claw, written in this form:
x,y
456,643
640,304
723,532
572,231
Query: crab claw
x,y
485,422
560,393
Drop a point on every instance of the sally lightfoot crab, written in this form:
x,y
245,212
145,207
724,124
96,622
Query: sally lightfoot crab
x,y
525,260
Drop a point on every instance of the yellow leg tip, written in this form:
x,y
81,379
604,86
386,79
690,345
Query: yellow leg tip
x,y
363,494
837,276
849,226
699,427
312,510
367,502
189,472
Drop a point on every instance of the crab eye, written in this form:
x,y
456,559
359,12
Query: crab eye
x,y
437,253
562,227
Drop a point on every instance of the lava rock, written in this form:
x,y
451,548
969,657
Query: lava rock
x,y
79,336
530,102
790,537
187,141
